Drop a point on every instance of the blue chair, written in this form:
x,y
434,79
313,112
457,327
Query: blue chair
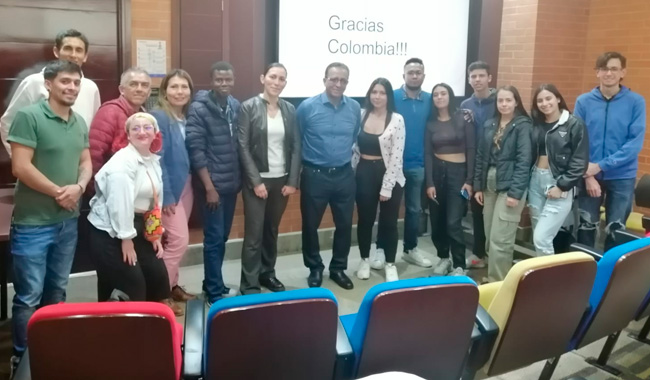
x,y
621,285
420,326
287,335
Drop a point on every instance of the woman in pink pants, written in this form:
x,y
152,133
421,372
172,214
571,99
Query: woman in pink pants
x,y
175,95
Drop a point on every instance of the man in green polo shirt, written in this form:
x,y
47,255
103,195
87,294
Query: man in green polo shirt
x,y
52,163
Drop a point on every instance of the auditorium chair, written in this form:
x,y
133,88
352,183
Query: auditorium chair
x,y
619,295
103,341
287,335
537,308
420,326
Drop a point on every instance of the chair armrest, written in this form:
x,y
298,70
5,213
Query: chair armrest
x,y
624,236
344,366
193,339
484,336
23,372
597,254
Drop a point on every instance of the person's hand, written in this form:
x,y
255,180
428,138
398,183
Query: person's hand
x,y
468,188
68,196
593,187
479,197
260,191
158,248
288,190
212,199
128,252
383,198
431,192
554,193
512,202
169,210
592,170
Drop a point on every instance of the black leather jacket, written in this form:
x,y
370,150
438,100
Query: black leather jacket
x,y
253,141
567,148
514,159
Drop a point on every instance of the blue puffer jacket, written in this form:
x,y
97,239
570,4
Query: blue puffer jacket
x,y
212,142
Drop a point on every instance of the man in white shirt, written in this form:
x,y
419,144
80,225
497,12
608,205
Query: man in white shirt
x,y
70,45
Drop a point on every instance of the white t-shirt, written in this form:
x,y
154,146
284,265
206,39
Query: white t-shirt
x,y
32,89
275,154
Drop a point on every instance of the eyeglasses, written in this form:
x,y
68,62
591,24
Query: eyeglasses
x,y
342,81
613,70
146,128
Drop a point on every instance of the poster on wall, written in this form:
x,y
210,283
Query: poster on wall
x,y
152,56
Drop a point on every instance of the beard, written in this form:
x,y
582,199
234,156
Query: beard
x,y
413,88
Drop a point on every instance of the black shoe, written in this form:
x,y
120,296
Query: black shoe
x,y
315,279
341,279
272,284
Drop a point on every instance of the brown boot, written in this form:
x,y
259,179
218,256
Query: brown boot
x,y
178,311
180,295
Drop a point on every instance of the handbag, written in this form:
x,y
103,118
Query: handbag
x,y
153,228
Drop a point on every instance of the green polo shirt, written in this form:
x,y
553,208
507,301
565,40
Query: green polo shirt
x,y
57,148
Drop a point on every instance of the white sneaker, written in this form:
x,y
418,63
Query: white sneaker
x,y
457,272
475,262
416,258
363,271
378,259
391,273
443,267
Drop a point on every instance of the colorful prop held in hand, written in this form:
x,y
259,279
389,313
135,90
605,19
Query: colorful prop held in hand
x,y
153,228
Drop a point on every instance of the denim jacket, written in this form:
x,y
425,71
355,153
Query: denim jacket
x,y
174,159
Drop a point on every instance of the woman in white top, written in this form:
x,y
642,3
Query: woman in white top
x,y
379,176
124,186
269,149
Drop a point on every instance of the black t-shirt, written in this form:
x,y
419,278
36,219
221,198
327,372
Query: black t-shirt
x,y
542,137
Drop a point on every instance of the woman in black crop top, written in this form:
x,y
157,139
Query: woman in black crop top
x,y
380,148
561,147
450,148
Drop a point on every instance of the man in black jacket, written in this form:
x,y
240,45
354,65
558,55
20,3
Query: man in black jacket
x,y
212,145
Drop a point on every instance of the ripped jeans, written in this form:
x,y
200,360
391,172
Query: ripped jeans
x,y
546,215
618,195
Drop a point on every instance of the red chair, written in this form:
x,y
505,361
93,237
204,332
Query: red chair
x,y
109,340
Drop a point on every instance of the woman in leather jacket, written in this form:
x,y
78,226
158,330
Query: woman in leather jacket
x,y
269,143
561,147
501,176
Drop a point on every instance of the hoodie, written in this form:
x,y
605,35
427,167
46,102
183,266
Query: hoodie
x,y
616,129
482,109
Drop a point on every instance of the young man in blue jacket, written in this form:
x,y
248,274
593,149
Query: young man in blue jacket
x,y
482,104
615,118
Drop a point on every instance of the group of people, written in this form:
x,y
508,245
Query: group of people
x,y
486,153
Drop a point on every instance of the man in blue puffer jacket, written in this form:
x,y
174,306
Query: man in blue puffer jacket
x,y
615,118
212,145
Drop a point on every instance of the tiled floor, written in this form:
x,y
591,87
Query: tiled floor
x,y
629,355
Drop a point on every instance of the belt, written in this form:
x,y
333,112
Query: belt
x,y
325,169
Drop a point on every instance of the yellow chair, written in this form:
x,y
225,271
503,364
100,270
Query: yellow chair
x,y
537,308
633,223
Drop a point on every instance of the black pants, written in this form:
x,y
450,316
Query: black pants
x,y
479,229
321,187
261,221
370,175
448,210
147,280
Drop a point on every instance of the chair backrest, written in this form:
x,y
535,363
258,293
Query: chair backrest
x,y
287,335
105,341
621,285
419,326
537,308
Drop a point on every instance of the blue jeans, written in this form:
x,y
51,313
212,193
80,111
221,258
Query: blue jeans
x,y
618,195
42,260
216,228
413,203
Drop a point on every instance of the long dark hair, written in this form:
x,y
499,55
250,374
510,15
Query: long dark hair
x,y
535,112
519,109
390,103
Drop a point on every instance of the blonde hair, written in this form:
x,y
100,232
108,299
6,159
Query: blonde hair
x,y
141,115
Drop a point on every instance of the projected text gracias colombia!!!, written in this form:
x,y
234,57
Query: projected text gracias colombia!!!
x,y
351,47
